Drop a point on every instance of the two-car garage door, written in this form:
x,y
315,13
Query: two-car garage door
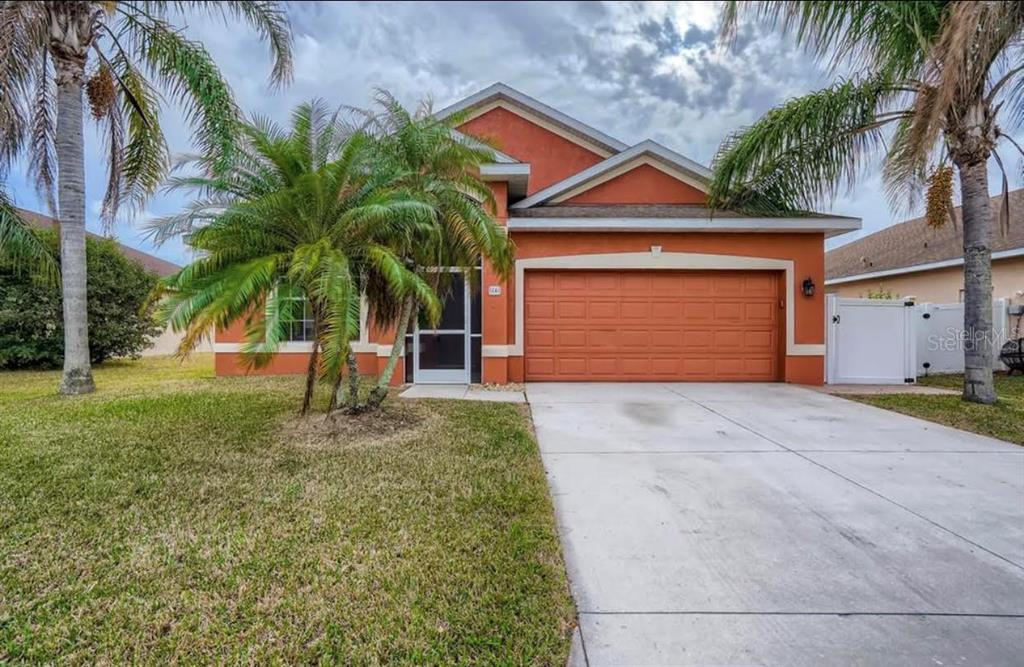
x,y
651,325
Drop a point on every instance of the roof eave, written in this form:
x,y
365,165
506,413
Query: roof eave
x,y
516,175
919,268
828,226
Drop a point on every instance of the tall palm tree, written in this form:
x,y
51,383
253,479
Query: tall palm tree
x,y
442,169
294,217
119,54
938,76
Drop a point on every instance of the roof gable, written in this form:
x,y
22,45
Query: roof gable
x,y
649,153
552,158
499,95
643,182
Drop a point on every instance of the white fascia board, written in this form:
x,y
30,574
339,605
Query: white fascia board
x,y
502,90
501,172
516,175
675,158
917,268
828,226
684,164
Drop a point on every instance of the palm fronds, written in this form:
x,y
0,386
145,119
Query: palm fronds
x,y
928,67
20,247
798,155
135,50
887,37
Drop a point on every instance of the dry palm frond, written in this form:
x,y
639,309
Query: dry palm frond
x,y
973,37
939,206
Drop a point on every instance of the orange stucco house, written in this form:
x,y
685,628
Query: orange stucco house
x,y
620,272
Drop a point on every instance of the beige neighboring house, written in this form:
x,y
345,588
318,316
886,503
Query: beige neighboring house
x,y
165,343
910,259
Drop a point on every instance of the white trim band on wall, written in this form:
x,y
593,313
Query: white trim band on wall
x,y
300,347
828,226
664,261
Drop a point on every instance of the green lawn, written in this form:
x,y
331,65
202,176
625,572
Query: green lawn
x,y
178,517
1004,420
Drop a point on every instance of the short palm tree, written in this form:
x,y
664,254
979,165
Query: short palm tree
x,y
442,169
295,217
939,75
119,54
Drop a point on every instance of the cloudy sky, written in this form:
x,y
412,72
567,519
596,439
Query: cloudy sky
x,y
632,70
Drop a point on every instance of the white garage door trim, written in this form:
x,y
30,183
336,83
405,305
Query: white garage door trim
x,y
674,261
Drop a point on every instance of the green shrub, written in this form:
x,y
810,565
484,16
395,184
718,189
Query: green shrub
x,y
32,325
882,293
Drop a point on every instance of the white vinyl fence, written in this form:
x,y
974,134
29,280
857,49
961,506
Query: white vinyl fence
x,y
877,341
869,341
940,327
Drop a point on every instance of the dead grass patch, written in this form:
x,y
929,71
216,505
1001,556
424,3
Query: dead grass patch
x,y
394,423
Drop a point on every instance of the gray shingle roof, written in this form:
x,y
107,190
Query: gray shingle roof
x,y
913,242
161,267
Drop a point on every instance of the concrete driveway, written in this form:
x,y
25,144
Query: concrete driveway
x,y
729,524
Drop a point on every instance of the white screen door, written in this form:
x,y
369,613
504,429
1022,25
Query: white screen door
x,y
441,355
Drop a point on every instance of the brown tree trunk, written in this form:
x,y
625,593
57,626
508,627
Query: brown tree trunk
x,y
313,368
978,346
335,391
311,373
352,402
380,391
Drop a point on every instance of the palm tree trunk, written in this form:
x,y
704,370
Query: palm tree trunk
x,y
380,392
353,379
77,378
335,391
314,358
978,347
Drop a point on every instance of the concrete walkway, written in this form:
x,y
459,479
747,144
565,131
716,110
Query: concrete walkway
x,y
724,524
463,392
882,389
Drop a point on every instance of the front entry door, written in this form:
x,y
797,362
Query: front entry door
x,y
441,355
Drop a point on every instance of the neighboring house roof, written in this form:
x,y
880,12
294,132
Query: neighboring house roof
x,y
161,267
498,94
645,152
913,246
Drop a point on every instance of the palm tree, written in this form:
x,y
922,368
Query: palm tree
x,y
442,170
938,75
293,217
119,53
21,246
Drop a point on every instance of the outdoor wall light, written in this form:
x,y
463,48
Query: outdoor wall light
x,y
808,286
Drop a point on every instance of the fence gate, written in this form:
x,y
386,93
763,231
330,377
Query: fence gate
x,y
870,341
